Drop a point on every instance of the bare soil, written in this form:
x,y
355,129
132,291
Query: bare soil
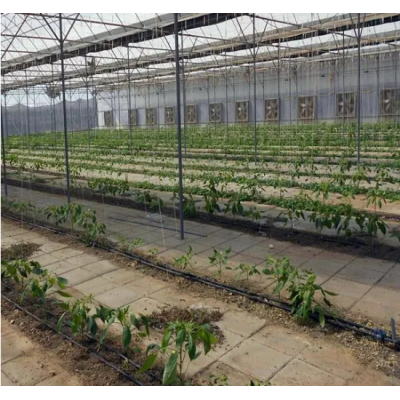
x,y
159,319
19,251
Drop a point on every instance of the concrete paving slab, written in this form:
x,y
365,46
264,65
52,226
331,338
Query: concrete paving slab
x,y
96,286
146,306
323,267
383,296
242,258
241,323
77,276
255,359
25,237
390,281
281,339
196,247
173,297
117,297
300,373
259,251
236,245
380,313
8,241
360,274
6,381
333,360
46,259
100,267
61,267
26,371
340,258
372,264
146,285
347,288
66,253
121,276
12,346
82,260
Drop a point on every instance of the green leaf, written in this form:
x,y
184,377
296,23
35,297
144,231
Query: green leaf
x,y
330,293
126,337
322,318
92,326
180,337
60,323
165,340
62,282
63,294
191,347
205,337
149,362
169,376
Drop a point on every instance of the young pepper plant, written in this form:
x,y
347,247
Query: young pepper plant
x,y
179,342
127,320
219,259
185,260
301,287
245,270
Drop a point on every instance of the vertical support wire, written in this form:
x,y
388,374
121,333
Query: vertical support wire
x,y
64,108
359,90
179,127
87,101
183,96
255,91
3,149
130,105
28,126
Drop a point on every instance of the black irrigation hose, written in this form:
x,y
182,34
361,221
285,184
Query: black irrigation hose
x,y
70,339
105,345
260,298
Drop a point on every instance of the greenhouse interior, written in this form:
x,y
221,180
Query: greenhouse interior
x,y
200,199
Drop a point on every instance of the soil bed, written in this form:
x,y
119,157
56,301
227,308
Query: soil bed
x,y
159,319
19,251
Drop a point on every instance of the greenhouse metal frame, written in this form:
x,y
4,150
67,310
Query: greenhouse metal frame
x,y
95,57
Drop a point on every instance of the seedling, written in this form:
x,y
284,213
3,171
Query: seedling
x,y
129,245
81,321
185,260
245,270
219,259
153,252
127,320
179,342
33,279
302,289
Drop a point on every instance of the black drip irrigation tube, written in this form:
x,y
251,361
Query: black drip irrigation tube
x,y
152,377
72,340
337,322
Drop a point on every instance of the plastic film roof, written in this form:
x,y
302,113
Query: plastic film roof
x,y
110,49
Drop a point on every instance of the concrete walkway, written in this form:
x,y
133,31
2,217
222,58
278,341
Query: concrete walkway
x,y
25,364
366,286
254,347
